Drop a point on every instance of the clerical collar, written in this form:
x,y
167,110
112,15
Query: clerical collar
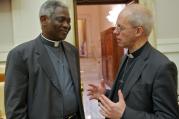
x,y
137,52
50,42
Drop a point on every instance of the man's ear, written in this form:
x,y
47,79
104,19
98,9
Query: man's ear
x,y
43,20
139,31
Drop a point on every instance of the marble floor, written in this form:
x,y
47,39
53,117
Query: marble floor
x,y
90,73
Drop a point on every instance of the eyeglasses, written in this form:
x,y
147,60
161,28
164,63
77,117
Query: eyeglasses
x,y
120,28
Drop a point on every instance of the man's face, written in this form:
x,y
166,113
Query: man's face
x,y
58,25
124,32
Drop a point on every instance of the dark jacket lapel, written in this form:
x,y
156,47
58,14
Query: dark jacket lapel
x,y
46,64
137,70
117,79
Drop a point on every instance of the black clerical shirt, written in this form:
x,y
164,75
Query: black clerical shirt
x,y
126,69
56,53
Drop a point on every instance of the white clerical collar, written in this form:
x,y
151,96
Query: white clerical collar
x,y
55,43
130,55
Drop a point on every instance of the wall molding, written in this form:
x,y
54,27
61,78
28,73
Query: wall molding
x,y
169,45
3,55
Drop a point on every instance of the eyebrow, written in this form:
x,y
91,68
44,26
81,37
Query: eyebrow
x,y
64,18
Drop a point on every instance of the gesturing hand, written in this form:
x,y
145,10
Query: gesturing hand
x,y
110,109
94,91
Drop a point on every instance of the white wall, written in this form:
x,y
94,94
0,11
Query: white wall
x,y
167,30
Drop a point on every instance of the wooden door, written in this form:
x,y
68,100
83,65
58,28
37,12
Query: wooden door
x,y
111,55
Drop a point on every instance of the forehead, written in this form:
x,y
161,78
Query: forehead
x,y
121,20
61,11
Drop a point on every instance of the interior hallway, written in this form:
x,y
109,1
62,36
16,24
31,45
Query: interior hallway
x,y
90,74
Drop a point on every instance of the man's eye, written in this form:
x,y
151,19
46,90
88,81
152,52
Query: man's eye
x,y
62,19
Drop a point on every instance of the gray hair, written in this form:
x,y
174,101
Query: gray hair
x,y
138,15
48,8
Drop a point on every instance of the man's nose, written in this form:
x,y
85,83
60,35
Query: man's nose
x,y
115,31
66,24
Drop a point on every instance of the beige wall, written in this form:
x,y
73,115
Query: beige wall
x,y
96,22
89,14
26,20
20,23
2,112
167,29
6,32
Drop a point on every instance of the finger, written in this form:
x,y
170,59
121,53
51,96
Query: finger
x,y
89,93
103,112
92,89
104,109
91,98
92,85
120,95
102,82
105,102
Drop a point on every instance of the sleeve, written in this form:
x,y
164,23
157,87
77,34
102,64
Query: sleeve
x,y
16,84
164,96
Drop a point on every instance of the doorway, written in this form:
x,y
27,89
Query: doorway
x,y
95,26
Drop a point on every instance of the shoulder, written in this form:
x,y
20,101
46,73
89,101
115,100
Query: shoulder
x,y
158,57
159,62
69,46
24,47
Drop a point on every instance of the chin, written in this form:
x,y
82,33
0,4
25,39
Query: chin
x,y
120,45
62,37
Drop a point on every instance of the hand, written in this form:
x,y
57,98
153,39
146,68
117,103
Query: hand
x,y
94,92
110,109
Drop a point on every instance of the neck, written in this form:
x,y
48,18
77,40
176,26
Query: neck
x,y
137,45
50,37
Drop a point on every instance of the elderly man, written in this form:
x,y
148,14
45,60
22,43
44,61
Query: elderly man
x,y
146,84
42,75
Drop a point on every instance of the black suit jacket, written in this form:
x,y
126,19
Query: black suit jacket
x,y
31,86
150,91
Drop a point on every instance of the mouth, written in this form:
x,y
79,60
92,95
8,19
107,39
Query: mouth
x,y
118,40
64,31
